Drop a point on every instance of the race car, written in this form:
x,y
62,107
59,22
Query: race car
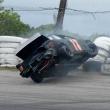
x,y
53,55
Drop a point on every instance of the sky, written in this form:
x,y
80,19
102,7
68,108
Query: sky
x,y
82,24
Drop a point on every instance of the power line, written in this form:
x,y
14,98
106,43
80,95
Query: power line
x,y
73,11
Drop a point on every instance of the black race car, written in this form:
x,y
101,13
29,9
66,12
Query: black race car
x,y
54,55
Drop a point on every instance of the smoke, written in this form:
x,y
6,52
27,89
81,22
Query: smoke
x,y
92,66
64,68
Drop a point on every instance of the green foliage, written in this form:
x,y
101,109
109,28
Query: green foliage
x,y
1,1
10,24
45,28
1,8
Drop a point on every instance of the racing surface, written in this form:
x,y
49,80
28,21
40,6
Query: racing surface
x,y
77,91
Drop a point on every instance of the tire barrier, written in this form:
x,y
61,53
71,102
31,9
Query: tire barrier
x,y
105,68
101,62
103,44
8,46
7,50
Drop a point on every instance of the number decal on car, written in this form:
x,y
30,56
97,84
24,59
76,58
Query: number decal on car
x,y
76,45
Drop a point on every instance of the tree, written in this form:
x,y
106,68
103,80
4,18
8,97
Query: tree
x,y
45,28
0,4
1,1
10,24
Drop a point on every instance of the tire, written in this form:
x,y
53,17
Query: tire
x,y
36,78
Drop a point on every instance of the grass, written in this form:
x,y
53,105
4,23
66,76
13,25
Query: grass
x,y
8,68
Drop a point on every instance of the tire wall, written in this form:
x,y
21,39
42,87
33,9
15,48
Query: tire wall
x,y
103,44
8,46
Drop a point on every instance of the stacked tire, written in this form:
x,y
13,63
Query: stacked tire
x,y
8,46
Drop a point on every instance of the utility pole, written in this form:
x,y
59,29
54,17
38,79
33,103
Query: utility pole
x,y
60,16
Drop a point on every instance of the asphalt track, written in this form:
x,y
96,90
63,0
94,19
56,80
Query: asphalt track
x,y
77,91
